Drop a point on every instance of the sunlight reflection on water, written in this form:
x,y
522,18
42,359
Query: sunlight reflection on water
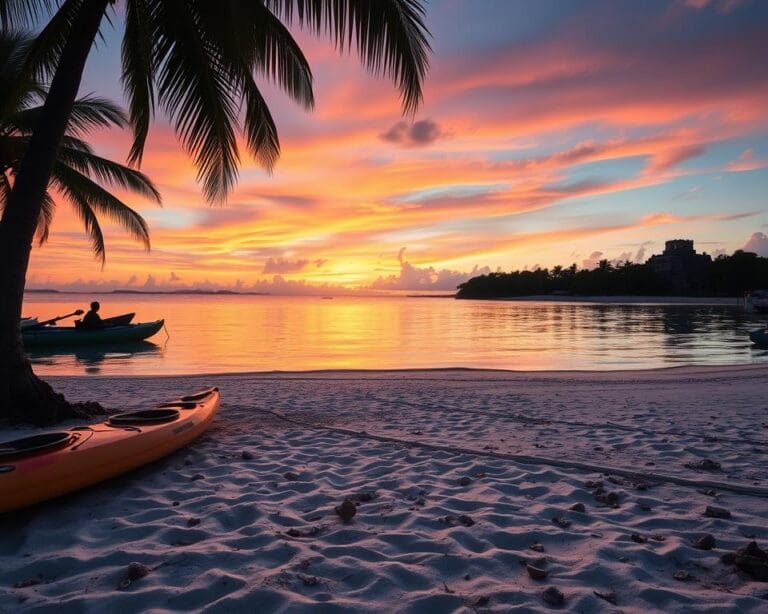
x,y
263,333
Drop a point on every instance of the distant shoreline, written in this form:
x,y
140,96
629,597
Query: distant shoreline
x,y
543,298
150,292
619,300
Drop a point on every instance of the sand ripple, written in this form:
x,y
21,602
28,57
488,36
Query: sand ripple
x,y
261,535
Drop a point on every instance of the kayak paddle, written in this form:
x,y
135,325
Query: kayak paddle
x,y
79,312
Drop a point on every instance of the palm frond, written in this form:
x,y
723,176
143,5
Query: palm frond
x,y
108,172
73,142
45,220
46,49
391,36
84,211
84,194
198,90
78,171
138,73
249,34
93,112
88,113
24,13
260,128
17,90
5,190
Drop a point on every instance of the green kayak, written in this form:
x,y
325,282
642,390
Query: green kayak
x,y
69,335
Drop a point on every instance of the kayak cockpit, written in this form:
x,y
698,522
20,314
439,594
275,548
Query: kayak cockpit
x,y
199,396
146,417
178,405
35,444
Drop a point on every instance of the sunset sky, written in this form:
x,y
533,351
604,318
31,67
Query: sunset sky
x,y
552,132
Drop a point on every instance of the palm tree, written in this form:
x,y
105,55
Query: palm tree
x,y
77,172
198,60
78,175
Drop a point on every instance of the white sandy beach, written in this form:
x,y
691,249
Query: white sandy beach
x,y
457,475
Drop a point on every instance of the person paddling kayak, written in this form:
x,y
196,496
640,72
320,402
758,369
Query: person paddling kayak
x,y
92,319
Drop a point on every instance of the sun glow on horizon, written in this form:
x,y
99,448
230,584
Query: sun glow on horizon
x,y
540,146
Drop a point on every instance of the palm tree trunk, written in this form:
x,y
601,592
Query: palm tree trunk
x,y
23,397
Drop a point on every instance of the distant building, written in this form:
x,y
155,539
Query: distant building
x,y
681,267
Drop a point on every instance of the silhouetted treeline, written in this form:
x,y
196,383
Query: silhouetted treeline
x,y
726,276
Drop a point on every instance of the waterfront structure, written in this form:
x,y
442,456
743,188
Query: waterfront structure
x,y
681,267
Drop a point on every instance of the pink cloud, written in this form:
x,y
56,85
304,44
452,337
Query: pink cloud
x,y
722,6
282,265
757,243
747,161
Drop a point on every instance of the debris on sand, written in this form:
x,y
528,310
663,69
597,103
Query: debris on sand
x,y
537,573
310,532
308,580
135,571
464,519
561,522
553,596
347,510
705,464
610,499
705,542
750,559
716,512
364,497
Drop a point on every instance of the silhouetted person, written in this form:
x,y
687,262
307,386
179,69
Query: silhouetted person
x,y
92,319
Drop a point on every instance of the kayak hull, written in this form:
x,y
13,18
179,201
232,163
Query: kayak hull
x,y
65,335
101,451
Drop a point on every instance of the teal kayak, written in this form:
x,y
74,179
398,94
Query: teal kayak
x,y
69,335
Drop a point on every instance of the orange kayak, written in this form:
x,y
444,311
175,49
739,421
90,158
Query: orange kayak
x,y
44,466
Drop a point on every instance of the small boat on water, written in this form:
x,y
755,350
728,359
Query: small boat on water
x,y
759,337
55,336
43,466
757,301
27,322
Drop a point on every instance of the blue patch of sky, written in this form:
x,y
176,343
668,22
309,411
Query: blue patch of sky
x,y
730,193
693,195
452,191
459,25
560,141
601,171
722,154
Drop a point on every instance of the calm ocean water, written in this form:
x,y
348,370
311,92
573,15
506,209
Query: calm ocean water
x,y
208,334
